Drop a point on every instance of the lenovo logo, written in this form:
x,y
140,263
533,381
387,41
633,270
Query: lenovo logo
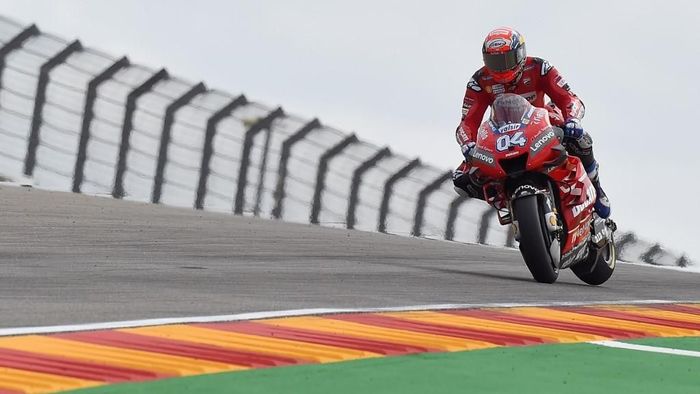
x,y
542,141
481,156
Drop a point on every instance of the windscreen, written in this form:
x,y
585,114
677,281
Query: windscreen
x,y
509,108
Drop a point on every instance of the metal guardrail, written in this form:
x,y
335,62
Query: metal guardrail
x,y
235,138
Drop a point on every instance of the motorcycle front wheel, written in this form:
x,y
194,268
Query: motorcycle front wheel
x,y
535,239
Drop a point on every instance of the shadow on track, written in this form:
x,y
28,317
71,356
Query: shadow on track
x,y
471,273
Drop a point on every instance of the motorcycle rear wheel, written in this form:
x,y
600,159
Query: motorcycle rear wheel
x,y
535,239
597,268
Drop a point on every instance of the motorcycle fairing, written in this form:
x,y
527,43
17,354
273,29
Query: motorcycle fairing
x,y
576,195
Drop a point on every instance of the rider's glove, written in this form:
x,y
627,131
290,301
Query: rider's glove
x,y
573,128
466,150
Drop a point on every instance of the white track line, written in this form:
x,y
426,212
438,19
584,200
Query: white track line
x,y
299,312
644,348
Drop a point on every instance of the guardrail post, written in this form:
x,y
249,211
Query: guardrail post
x,y
452,216
261,174
510,240
683,261
259,126
40,99
208,148
625,240
15,43
484,224
165,137
127,126
389,189
88,115
423,199
321,174
287,145
650,255
350,218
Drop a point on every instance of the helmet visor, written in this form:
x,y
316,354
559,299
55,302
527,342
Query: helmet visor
x,y
499,62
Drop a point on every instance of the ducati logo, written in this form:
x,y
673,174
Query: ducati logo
x,y
590,198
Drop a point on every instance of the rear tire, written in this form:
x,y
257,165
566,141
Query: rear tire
x,y
534,239
604,266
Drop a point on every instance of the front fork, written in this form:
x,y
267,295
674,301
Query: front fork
x,y
552,218
552,221
496,196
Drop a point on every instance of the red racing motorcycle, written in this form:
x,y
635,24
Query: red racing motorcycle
x,y
543,192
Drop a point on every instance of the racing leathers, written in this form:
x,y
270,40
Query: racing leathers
x,y
538,79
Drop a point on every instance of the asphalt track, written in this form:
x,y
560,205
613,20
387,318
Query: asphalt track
x,y
67,258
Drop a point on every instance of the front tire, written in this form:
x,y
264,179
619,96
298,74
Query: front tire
x,y
598,267
534,239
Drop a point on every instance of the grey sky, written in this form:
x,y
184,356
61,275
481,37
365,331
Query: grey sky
x,y
395,72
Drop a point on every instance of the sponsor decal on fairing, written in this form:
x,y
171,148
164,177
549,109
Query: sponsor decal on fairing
x,y
527,116
542,141
590,199
509,127
539,115
579,253
482,156
526,190
578,232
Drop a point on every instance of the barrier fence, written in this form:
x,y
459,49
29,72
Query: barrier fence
x,y
76,119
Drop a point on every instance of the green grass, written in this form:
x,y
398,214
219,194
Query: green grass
x,y
577,368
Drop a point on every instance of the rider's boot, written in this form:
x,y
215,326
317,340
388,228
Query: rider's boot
x,y
602,204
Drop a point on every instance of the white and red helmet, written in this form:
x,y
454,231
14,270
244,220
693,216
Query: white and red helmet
x,y
504,54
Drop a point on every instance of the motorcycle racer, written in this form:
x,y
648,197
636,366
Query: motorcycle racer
x,y
508,69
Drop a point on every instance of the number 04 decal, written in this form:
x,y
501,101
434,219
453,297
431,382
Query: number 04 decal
x,y
506,141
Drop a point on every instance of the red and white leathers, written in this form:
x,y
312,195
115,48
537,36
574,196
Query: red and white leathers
x,y
537,79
